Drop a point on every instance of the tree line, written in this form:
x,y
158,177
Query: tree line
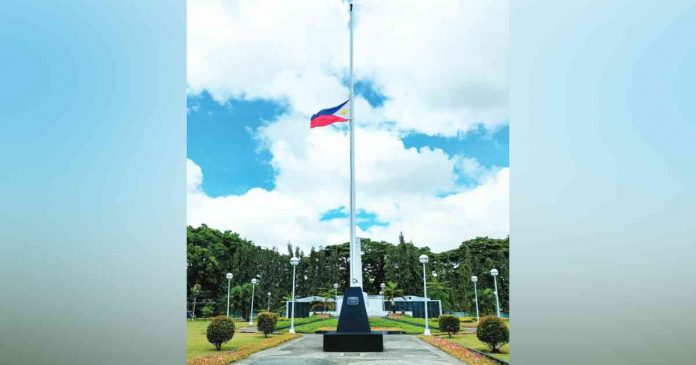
x,y
212,253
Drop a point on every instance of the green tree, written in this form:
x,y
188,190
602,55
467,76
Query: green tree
x,y
212,253
487,301
195,294
208,309
437,290
327,294
391,291
240,300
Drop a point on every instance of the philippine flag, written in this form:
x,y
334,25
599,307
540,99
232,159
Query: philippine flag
x,y
331,115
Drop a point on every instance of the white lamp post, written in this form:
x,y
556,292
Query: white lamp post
x,y
382,286
268,306
494,272
254,281
474,279
293,261
336,290
424,260
229,280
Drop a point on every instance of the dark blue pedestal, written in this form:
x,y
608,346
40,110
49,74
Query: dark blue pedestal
x,y
353,333
353,342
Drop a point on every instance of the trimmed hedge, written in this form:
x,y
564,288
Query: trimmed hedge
x,y
266,322
449,324
220,330
493,332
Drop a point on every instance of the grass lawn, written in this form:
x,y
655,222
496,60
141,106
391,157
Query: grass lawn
x,y
410,327
416,325
470,341
307,324
197,344
312,324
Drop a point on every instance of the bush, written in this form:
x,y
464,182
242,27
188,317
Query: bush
x,y
493,332
449,324
220,330
266,322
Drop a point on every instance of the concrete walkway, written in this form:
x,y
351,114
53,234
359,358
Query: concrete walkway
x,y
398,349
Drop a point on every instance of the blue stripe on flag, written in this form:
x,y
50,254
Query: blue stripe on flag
x,y
329,111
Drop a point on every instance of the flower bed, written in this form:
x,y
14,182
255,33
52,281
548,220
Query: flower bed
x,y
224,358
459,351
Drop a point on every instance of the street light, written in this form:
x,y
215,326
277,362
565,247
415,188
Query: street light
x,y
254,281
424,260
382,294
336,290
268,309
494,273
229,280
293,261
474,279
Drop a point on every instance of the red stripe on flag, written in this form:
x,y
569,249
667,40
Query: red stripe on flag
x,y
324,120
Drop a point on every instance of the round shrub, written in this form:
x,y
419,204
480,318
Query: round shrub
x,y
220,330
493,332
266,322
449,324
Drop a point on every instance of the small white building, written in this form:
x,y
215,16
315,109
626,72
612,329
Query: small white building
x,y
377,305
374,303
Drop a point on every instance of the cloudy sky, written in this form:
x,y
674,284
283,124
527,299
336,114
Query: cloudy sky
x,y
431,120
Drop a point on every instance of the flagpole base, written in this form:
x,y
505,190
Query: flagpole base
x,y
353,342
353,333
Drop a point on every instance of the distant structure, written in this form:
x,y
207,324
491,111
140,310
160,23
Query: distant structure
x,y
414,306
377,306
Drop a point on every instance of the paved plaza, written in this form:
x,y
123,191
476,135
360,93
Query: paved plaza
x,y
398,349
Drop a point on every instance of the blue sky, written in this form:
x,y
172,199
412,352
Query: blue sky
x,y
431,121
222,141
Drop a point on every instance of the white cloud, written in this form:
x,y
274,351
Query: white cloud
x,y
400,185
194,177
442,64
471,168
266,49
442,67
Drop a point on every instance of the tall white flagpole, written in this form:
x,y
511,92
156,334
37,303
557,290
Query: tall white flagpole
x,y
355,254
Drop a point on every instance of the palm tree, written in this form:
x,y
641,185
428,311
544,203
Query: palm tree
x,y
437,290
327,294
195,293
240,298
486,302
282,305
391,292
